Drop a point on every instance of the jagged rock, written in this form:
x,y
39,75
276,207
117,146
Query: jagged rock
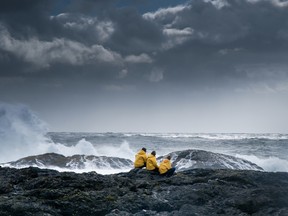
x,y
194,159
72,162
182,160
34,191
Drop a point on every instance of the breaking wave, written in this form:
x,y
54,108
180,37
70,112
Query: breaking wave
x,y
215,136
270,164
192,159
23,134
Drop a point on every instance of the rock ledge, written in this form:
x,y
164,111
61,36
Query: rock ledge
x,y
34,191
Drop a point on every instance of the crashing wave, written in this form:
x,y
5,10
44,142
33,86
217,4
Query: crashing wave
x,y
75,162
182,160
192,159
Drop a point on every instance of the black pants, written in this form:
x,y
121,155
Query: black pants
x,y
155,171
170,172
141,166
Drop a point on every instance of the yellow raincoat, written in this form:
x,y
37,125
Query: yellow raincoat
x,y
140,159
165,165
151,163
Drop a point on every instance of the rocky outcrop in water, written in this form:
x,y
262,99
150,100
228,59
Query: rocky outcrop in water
x,y
73,162
193,159
182,160
34,191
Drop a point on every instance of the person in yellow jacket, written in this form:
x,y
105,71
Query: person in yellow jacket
x,y
165,167
151,162
140,159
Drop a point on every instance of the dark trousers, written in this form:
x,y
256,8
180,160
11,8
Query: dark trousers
x,y
155,171
141,166
170,172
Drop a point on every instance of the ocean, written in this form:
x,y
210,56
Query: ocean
x,y
269,151
23,134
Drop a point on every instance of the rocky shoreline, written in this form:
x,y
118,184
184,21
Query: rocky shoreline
x,y
34,191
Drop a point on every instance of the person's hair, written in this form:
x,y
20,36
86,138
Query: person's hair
x,y
144,149
153,153
168,157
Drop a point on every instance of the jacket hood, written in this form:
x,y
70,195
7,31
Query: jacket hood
x,y
141,152
166,161
150,156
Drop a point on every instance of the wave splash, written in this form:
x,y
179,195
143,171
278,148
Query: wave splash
x,y
192,159
182,160
215,136
23,134
75,163
271,164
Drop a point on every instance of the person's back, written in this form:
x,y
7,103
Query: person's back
x,y
151,162
140,159
165,167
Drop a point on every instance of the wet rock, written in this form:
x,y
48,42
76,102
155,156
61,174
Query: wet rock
x,y
195,159
72,162
34,191
182,160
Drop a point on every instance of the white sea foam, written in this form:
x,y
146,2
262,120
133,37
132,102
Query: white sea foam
x,y
122,151
105,171
22,133
216,136
270,164
87,148
82,147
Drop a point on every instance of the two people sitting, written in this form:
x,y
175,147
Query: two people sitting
x,y
150,162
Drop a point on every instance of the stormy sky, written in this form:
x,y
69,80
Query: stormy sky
x,y
148,65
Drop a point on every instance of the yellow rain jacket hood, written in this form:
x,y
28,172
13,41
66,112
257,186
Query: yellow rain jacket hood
x,y
140,159
165,165
151,163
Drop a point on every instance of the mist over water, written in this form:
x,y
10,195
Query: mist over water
x,y
23,134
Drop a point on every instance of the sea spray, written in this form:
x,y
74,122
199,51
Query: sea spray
x,y
123,150
82,147
270,164
22,133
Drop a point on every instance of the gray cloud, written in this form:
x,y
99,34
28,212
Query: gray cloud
x,y
142,58
114,49
44,53
201,39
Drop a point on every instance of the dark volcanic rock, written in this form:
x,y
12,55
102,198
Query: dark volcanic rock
x,y
182,160
195,159
72,162
33,191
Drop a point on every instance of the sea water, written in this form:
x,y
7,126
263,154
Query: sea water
x,y
269,151
23,134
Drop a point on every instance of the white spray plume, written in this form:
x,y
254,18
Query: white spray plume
x,y
22,133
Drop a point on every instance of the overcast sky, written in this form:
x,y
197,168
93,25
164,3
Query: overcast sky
x,y
147,65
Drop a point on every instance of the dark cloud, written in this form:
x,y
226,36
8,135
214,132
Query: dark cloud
x,y
225,40
134,47
28,18
99,7
133,34
192,39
